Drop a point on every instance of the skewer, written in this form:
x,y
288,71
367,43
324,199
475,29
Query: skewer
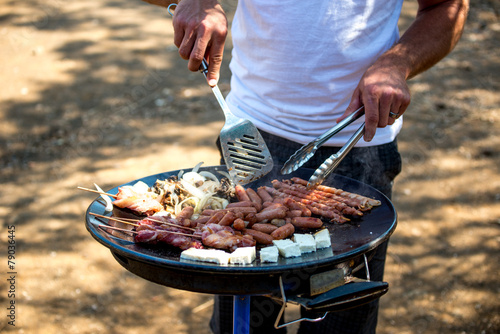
x,y
118,229
135,232
130,221
175,225
97,192
122,220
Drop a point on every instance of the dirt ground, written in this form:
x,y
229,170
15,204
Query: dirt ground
x,y
95,92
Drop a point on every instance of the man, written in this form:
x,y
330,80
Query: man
x,y
298,67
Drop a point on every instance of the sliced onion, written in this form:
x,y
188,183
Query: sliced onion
x,y
192,189
197,167
193,177
106,198
201,204
210,176
208,186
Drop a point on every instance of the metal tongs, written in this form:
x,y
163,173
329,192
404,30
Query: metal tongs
x,y
307,151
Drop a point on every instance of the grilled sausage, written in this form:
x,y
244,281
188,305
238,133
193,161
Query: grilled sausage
x,y
216,217
241,193
266,228
200,220
307,222
294,213
210,212
264,195
241,204
271,213
254,198
294,205
228,219
184,216
242,209
283,232
260,237
250,218
239,224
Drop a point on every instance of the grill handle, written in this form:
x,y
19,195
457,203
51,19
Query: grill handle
x,y
344,297
353,294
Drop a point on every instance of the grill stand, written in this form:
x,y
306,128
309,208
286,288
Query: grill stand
x,y
241,314
351,292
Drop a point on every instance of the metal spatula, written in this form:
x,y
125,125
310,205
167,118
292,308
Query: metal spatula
x,y
243,148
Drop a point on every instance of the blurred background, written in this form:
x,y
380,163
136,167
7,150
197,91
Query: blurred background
x,y
95,92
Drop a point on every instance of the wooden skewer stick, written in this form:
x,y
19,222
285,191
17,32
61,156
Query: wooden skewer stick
x,y
118,229
184,234
97,192
171,224
130,221
135,232
115,219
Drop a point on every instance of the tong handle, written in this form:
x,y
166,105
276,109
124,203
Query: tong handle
x,y
334,160
339,126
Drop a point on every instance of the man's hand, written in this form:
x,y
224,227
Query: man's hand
x,y
200,30
382,90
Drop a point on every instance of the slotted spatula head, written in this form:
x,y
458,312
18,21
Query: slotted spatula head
x,y
244,150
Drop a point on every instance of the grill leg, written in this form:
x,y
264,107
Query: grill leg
x,y
241,314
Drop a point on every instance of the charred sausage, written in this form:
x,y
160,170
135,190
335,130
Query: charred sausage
x,y
227,219
271,213
255,198
260,237
307,222
216,217
283,232
239,224
264,195
241,193
266,228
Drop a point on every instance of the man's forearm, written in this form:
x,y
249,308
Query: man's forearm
x,y
434,33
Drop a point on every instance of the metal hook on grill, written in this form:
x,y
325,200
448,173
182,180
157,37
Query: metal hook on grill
x,y
282,310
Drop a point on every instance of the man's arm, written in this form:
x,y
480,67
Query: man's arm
x,y
200,30
436,30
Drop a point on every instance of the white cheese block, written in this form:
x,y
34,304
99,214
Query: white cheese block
x,y
269,254
206,255
323,239
243,255
306,242
287,248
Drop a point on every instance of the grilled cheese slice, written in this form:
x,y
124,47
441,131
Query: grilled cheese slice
x,y
243,255
322,239
287,248
269,254
306,242
206,255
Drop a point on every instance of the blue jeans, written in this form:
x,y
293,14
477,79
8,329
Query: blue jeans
x,y
376,166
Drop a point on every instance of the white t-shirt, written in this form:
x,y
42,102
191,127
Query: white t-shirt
x,y
295,64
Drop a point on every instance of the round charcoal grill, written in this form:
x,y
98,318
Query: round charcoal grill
x,y
319,281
